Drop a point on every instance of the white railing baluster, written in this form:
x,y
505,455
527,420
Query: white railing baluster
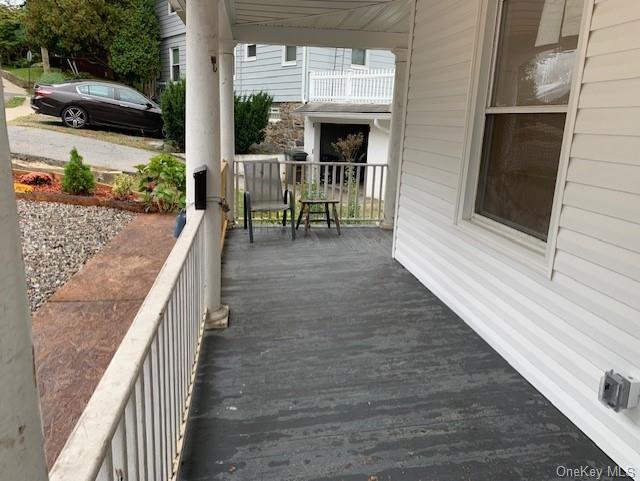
x,y
173,406
141,428
131,438
373,189
158,408
106,469
119,465
357,86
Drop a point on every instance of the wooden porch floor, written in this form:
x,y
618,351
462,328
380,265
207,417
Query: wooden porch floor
x,y
339,365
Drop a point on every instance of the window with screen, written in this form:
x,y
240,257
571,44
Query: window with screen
x,y
289,53
358,57
525,116
175,64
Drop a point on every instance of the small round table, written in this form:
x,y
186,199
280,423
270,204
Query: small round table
x,y
306,206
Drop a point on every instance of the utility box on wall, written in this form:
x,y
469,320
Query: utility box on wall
x,y
200,181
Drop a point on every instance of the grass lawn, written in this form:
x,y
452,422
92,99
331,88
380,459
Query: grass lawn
x,y
14,102
23,72
115,137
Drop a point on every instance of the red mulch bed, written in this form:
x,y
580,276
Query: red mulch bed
x,y
102,195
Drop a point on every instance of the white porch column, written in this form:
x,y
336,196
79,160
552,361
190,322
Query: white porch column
x,y
203,139
395,140
227,135
21,440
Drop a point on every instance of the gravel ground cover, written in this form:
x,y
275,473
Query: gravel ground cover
x,y
57,239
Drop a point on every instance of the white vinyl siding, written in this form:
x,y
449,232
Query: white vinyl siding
x,y
266,73
598,248
560,333
166,46
172,35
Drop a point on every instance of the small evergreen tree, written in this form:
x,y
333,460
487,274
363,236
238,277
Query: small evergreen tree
x,y
251,119
173,104
135,49
78,178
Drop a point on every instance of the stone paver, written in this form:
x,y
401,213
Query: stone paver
x,y
56,145
77,331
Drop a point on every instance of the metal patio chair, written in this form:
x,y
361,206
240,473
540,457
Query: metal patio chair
x,y
263,192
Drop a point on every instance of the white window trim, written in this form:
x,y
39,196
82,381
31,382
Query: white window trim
x,y
526,249
171,64
356,66
285,62
170,9
246,53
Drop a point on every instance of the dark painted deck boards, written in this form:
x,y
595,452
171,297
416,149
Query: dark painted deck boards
x,y
339,365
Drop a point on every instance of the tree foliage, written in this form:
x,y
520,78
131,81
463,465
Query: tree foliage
x,y
349,147
173,103
121,33
13,35
135,50
73,27
251,119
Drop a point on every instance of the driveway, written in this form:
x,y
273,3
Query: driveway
x,y
56,146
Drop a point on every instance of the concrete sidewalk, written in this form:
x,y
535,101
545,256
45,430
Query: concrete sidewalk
x,y
56,146
77,331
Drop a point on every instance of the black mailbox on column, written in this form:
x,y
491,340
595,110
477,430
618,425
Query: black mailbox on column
x,y
200,181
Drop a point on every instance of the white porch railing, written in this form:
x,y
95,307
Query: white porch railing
x,y
358,187
133,425
353,87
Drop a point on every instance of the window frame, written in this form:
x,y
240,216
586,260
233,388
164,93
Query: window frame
x,y
285,62
524,248
172,64
366,59
248,58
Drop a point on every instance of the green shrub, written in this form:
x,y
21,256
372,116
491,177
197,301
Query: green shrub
x,y
163,183
78,178
173,102
251,119
122,186
52,78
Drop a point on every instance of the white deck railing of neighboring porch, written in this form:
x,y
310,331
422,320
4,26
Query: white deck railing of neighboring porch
x,y
133,425
352,87
358,187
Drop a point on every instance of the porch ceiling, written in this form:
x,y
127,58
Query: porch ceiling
x,y
336,23
331,23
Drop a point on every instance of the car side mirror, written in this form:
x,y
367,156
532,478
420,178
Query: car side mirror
x,y
149,105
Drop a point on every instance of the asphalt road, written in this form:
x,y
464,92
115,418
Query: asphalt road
x,y
56,145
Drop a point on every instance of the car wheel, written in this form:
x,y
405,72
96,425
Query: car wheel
x,y
75,117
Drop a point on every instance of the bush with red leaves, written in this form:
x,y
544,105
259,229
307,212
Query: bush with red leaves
x,y
36,178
